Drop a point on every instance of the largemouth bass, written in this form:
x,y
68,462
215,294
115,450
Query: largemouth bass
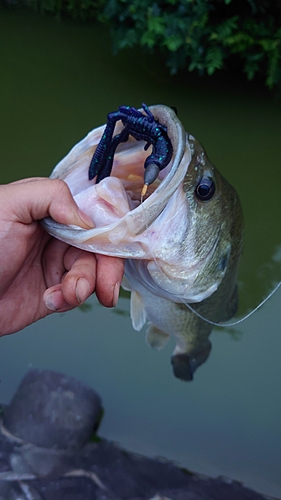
x,y
181,243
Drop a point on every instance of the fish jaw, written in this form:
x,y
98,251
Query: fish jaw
x,y
153,231
118,233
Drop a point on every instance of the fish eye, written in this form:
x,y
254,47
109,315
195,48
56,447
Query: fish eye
x,y
205,189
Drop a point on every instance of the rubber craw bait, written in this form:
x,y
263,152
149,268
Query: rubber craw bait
x,y
142,127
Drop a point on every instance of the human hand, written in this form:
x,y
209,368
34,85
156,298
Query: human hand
x,y
40,275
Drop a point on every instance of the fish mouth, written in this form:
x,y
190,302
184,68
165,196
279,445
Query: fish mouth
x,y
117,199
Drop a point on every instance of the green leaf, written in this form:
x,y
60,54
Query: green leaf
x,y
173,42
214,59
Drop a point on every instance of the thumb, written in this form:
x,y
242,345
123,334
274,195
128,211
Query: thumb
x,y
33,199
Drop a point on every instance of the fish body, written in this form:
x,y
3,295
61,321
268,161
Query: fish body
x,y
181,244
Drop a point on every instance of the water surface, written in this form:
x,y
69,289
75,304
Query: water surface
x,y
58,81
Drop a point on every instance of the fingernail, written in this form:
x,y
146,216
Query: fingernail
x,y
83,290
86,219
116,294
55,301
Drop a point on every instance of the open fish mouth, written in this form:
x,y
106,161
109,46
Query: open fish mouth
x,y
114,204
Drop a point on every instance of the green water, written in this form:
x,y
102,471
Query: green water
x,y
58,81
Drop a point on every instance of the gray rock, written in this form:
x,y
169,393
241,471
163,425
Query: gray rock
x,y
45,456
53,410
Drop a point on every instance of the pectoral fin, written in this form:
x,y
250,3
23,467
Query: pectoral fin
x,y
138,314
155,337
125,284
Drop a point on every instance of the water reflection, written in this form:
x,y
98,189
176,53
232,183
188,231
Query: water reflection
x,y
59,81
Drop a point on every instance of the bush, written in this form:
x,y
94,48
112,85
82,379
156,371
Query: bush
x,y
202,34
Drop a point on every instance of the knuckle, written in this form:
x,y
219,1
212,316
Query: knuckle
x,y
61,187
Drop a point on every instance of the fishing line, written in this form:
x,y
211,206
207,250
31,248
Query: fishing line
x,y
233,323
222,324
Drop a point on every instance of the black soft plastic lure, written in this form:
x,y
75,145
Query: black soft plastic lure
x,y
142,127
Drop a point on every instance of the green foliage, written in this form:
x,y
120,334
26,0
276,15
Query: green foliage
x,y
202,35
